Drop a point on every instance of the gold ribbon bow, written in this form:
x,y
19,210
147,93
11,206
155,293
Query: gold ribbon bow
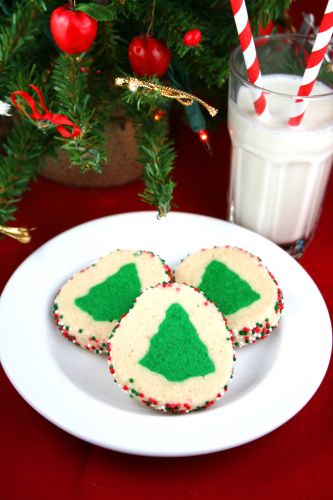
x,y
20,234
184,98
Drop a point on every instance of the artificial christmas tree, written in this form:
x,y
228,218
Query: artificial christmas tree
x,y
73,98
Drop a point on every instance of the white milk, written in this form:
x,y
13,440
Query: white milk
x,y
279,173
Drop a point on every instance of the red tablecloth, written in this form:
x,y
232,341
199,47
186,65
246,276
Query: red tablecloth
x,y
38,459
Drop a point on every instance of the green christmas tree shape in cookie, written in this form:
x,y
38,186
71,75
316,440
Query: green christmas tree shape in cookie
x,y
226,288
114,296
176,350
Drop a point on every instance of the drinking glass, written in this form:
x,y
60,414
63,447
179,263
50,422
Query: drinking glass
x,y
279,172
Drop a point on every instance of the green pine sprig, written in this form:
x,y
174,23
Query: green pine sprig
x,y
20,164
156,149
71,97
157,154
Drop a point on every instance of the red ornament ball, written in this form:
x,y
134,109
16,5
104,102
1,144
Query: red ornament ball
x,y
148,56
192,38
73,31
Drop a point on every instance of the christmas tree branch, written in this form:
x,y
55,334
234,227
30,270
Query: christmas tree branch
x,y
157,154
109,11
17,33
19,166
208,62
72,98
106,52
156,151
264,11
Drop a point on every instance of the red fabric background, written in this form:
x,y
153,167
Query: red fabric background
x,y
40,461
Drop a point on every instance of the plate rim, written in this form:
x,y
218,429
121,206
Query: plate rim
x,y
147,452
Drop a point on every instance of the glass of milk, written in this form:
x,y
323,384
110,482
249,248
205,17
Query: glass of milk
x,y
279,173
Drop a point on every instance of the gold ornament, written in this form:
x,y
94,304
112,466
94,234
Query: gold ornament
x,y
184,98
20,234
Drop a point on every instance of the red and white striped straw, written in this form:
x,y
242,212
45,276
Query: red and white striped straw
x,y
249,53
314,63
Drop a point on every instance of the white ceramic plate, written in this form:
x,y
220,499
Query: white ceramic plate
x,y
72,388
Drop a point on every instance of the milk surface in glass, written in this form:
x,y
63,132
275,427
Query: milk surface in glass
x,y
279,173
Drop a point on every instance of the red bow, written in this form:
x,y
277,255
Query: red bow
x,y
61,121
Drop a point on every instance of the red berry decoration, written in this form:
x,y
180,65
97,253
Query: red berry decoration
x,y
192,38
73,31
148,56
267,29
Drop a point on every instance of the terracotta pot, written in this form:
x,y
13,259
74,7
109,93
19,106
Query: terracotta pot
x,y
122,167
